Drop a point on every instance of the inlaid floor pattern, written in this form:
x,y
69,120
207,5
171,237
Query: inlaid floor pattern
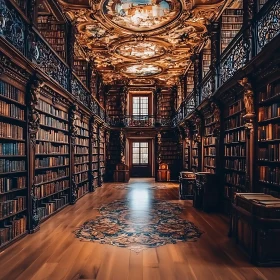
x,y
54,253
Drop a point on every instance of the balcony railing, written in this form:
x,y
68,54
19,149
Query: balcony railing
x,y
140,121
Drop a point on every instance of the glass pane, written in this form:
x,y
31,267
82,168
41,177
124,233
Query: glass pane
x,y
135,144
144,144
135,160
135,151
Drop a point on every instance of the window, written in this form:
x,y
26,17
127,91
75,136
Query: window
x,y
140,153
140,105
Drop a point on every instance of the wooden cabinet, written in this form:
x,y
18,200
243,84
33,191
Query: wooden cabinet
x,y
163,173
121,174
187,184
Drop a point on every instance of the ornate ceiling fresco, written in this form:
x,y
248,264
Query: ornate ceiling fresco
x,y
151,39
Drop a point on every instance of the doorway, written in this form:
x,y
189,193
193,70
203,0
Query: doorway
x,y
140,153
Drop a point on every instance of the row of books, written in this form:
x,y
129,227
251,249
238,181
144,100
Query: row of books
x,y
233,12
270,92
57,41
236,19
11,110
51,161
236,179
209,121
81,167
49,121
209,140
8,184
7,165
8,130
83,132
81,124
236,107
13,229
210,170
210,151
81,150
234,121
12,149
269,174
81,177
269,132
51,148
270,153
231,26
81,159
238,151
11,92
52,135
235,136
51,188
49,19
82,141
210,161
12,206
208,130
52,206
236,164
51,175
194,161
269,112
83,189
50,109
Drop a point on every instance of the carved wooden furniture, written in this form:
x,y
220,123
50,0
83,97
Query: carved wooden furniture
x,y
205,191
121,174
187,184
256,227
163,174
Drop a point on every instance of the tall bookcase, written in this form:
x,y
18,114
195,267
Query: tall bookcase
x,y
186,159
81,69
102,155
113,106
269,139
231,23
54,32
81,155
234,152
166,103
94,155
13,162
189,80
52,160
206,60
209,145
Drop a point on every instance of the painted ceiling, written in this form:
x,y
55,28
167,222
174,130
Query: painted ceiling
x,y
144,39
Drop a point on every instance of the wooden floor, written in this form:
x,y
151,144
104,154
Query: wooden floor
x,y
54,253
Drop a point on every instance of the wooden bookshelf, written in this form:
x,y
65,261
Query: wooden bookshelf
x,y
269,139
81,69
113,105
189,80
166,103
209,145
94,155
52,159
231,23
170,154
102,155
234,152
54,31
13,162
206,60
186,159
81,155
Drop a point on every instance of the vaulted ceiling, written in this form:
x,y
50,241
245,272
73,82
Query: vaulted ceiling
x,y
148,40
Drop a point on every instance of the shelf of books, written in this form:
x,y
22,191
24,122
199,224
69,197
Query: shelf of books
x,y
113,108
81,69
13,162
231,23
209,145
54,32
234,152
52,161
206,61
186,155
194,157
114,157
94,157
166,107
81,155
170,154
189,81
102,156
269,139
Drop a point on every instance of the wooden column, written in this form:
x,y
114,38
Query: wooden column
x,y
33,93
250,126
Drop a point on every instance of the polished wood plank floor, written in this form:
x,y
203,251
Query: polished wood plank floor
x,y
54,253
